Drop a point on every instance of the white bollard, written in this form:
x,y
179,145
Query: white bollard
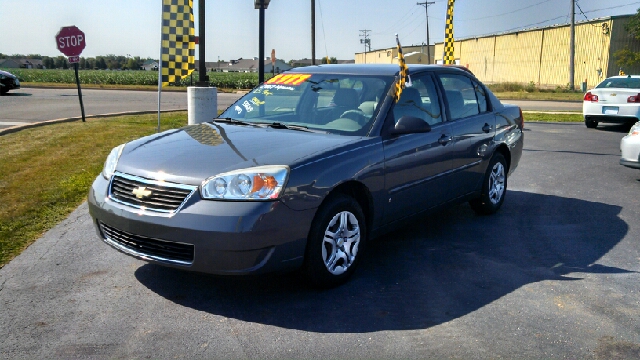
x,y
202,104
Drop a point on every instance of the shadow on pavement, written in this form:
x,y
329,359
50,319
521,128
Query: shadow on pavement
x,y
443,268
619,128
17,94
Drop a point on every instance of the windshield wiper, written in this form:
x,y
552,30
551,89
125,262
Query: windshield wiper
x,y
279,125
233,121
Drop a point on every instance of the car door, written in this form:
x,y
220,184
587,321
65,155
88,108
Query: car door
x,y
416,164
473,125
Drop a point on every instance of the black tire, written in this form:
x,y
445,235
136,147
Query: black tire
x,y
320,246
590,123
494,187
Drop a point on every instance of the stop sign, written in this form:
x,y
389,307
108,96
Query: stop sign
x,y
70,41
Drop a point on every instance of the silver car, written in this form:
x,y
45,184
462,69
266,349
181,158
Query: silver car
x,y
630,148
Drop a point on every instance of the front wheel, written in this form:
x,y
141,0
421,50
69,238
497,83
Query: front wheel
x,y
494,187
335,242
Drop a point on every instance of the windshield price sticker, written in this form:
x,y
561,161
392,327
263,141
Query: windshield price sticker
x,y
288,79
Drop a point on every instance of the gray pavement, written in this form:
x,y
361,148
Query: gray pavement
x,y
554,275
29,105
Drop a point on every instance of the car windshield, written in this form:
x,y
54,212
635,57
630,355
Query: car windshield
x,y
620,83
341,104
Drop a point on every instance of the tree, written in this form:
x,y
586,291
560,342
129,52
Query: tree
x,y
333,60
633,26
325,60
625,57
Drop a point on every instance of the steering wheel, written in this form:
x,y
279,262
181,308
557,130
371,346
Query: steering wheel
x,y
356,115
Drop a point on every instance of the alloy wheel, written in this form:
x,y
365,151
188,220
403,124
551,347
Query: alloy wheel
x,y
496,183
340,242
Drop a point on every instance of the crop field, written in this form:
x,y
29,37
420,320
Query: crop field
x,y
107,77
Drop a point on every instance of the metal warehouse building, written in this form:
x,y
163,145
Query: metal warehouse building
x,y
541,55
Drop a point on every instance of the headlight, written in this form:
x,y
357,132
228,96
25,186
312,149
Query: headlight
x,y
257,183
112,161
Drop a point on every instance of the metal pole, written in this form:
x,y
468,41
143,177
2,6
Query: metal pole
x,y
426,10
261,45
75,67
572,50
203,79
313,32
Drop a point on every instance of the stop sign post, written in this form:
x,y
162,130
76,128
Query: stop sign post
x,y
71,41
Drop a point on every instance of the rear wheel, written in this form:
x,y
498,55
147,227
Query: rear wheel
x,y
494,187
591,124
335,242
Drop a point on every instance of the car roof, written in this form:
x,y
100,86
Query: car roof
x,y
623,77
369,69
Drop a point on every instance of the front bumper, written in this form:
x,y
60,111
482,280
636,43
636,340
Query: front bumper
x,y
630,150
224,237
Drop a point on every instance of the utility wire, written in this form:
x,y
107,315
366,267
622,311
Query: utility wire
x,y
507,13
402,18
324,36
612,7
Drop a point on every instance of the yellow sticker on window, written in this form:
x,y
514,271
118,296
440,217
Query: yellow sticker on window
x,y
288,79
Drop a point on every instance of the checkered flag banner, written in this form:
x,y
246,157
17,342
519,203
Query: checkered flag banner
x,y
448,57
178,40
404,71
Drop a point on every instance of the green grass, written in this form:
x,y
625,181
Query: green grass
x,y
533,116
46,172
229,80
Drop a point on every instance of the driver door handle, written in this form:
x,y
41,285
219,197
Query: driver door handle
x,y
486,128
444,139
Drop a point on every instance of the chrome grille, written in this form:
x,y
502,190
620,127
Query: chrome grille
x,y
162,196
148,248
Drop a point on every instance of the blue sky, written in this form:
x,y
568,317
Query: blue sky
x,y
132,27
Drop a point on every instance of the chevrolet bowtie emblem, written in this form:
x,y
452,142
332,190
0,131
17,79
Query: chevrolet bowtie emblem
x,y
141,192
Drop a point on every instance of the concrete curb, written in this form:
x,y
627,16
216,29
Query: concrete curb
x,y
78,118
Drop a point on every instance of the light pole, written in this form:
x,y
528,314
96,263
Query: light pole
x,y
426,9
262,6
203,79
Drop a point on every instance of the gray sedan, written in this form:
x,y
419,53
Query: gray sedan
x,y
306,169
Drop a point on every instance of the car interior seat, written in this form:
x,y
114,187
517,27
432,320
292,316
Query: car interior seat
x,y
456,104
410,103
343,99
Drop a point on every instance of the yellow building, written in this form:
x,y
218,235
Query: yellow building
x,y
414,54
539,55
542,55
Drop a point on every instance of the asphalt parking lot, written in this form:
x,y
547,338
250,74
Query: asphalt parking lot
x,y
555,274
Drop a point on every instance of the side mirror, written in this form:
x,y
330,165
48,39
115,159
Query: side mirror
x,y
410,125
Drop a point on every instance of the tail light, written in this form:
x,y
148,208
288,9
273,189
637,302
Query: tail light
x,y
590,97
634,99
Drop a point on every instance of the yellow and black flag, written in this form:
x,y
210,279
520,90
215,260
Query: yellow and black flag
x,y
448,57
404,71
178,40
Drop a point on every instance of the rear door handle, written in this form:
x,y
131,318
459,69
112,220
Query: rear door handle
x,y
486,128
444,139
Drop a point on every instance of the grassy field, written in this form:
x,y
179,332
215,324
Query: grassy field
x,y
46,172
148,80
533,116
131,78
